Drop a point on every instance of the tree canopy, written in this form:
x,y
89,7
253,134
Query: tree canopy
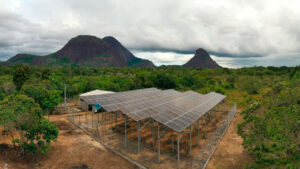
x,y
22,114
20,75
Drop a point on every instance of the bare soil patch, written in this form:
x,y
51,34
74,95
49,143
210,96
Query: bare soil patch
x,y
230,152
73,149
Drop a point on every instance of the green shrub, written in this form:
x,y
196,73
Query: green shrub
x,y
219,89
22,114
250,84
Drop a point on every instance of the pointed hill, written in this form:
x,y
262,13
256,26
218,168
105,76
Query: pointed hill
x,y
201,60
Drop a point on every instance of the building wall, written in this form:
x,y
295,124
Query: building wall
x,y
84,106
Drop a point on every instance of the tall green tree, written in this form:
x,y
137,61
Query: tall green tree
x,y
20,75
45,74
46,98
22,114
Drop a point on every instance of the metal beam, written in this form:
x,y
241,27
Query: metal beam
x,y
111,122
178,151
104,118
158,135
92,118
153,139
173,142
145,124
125,134
191,138
205,118
116,119
86,121
139,136
164,132
79,119
198,131
102,124
178,148
97,124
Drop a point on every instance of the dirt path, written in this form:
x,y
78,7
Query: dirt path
x,y
73,149
230,153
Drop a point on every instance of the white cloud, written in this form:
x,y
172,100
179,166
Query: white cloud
x,y
243,28
172,58
164,58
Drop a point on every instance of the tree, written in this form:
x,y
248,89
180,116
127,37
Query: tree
x,y
45,74
270,129
2,96
46,98
22,114
164,81
20,75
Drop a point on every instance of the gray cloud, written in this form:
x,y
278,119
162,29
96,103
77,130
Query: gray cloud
x,y
234,28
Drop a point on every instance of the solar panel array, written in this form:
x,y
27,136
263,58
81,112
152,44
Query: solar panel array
x,y
176,110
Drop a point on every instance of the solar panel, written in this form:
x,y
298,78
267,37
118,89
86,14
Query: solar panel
x,y
176,110
117,98
138,102
159,105
184,120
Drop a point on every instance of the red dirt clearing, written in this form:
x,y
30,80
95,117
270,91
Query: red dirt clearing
x,y
230,152
72,149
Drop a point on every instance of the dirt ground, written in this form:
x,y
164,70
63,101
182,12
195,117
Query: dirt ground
x,y
72,150
166,142
75,150
230,153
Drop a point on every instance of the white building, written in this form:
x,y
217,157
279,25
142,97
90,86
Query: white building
x,y
87,107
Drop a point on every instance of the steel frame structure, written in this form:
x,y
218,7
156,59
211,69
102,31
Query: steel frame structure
x,y
176,111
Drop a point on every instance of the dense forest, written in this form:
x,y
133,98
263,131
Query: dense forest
x,y
269,98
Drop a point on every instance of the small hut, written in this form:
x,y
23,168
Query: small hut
x,y
89,107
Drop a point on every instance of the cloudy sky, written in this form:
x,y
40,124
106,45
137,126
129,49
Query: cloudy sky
x,y
236,33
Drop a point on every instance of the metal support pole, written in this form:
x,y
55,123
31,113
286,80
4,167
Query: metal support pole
x,y
178,151
116,119
86,121
153,141
98,114
102,124
79,119
198,131
158,134
104,118
97,124
139,136
125,134
111,122
205,126
215,117
92,118
173,142
191,138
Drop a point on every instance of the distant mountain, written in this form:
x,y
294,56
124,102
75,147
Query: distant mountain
x,y
201,60
21,59
85,50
